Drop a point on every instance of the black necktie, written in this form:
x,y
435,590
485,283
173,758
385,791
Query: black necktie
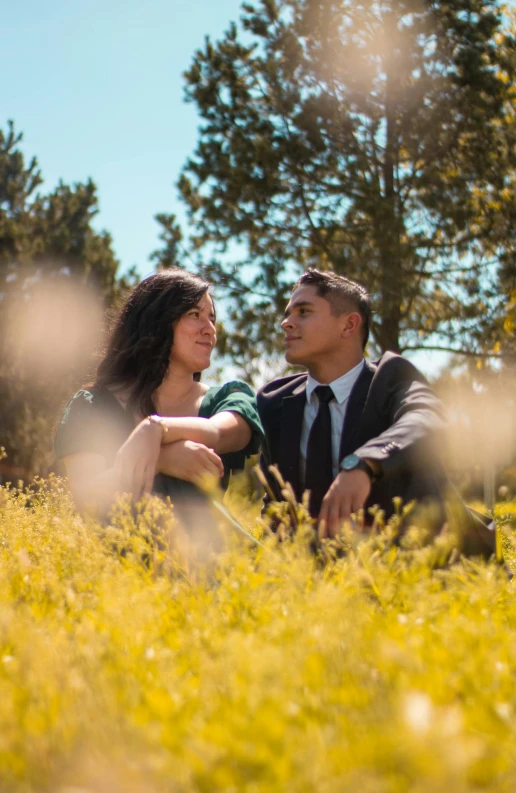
x,y
319,469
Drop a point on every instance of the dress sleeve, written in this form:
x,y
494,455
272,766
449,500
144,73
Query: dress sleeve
x,y
237,397
89,425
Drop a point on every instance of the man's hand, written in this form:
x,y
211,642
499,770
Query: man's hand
x,y
347,494
190,461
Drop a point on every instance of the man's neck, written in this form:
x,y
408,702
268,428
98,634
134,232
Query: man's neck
x,y
326,371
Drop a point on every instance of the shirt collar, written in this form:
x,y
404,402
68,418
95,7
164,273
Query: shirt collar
x,y
341,387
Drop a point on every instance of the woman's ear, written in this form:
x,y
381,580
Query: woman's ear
x,y
350,324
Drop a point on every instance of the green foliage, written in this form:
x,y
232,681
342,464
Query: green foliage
x,y
172,253
373,139
124,665
42,234
57,274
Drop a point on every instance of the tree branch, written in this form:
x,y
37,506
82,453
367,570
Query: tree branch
x,y
466,353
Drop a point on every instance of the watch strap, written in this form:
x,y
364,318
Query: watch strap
x,y
353,462
362,465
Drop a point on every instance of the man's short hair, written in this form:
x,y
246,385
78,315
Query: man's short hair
x,y
342,295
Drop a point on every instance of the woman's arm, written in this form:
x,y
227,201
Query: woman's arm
x,y
137,460
224,432
191,450
190,461
94,485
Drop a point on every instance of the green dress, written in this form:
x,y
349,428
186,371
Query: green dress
x,y
94,421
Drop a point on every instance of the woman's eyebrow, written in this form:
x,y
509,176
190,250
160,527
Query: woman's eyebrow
x,y
198,307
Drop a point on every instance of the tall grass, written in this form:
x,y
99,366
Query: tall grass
x,y
127,666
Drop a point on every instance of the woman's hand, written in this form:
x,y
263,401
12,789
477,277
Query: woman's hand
x,y
135,461
190,461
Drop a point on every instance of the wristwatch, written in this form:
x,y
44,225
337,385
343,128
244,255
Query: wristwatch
x,y
352,462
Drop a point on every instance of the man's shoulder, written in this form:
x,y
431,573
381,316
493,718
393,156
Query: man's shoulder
x,y
392,365
274,391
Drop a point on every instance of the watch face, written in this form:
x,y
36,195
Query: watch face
x,y
350,462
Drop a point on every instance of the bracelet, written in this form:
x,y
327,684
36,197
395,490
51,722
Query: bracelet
x,y
158,420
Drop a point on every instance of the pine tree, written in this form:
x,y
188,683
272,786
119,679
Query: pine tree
x,y
57,276
375,139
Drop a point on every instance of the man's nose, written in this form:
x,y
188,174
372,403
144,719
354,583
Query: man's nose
x,y
287,323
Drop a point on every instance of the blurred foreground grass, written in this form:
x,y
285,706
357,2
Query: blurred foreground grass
x,y
124,666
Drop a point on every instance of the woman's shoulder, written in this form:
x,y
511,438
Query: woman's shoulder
x,y
93,420
84,398
235,389
89,399
236,397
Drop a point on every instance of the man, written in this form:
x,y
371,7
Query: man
x,y
352,432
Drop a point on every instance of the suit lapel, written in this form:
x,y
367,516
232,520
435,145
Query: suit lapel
x,y
357,400
291,423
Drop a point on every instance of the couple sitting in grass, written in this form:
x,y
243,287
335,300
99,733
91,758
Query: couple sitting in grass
x,y
351,432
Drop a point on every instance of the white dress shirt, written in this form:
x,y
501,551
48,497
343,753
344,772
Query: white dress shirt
x,y
342,388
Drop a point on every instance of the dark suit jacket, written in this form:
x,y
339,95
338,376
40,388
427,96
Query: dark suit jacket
x,y
392,416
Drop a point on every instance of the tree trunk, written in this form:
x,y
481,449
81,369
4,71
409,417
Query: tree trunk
x,y
389,226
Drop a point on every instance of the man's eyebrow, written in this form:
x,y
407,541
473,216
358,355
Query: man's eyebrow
x,y
298,304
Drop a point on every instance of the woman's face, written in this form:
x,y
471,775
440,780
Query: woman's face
x,y
195,336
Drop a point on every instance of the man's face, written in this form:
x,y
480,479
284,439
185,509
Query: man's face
x,y
312,332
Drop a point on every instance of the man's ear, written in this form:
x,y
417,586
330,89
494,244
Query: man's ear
x,y
350,324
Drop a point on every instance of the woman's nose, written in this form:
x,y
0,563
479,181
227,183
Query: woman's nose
x,y
209,329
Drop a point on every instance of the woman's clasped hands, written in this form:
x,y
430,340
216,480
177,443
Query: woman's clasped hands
x,y
142,456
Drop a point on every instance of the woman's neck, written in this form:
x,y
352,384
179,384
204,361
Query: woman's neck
x,y
176,389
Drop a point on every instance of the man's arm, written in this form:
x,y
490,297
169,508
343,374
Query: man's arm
x,y
415,417
416,420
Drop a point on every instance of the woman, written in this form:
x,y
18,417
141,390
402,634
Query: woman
x,y
148,424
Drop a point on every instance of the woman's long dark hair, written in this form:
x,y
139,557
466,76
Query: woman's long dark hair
x,y
138,352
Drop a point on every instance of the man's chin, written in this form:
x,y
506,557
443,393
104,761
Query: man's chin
x,y
294,358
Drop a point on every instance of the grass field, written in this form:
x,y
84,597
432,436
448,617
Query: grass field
x,y
127,666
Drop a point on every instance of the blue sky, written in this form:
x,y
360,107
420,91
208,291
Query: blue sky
x,y
97,89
